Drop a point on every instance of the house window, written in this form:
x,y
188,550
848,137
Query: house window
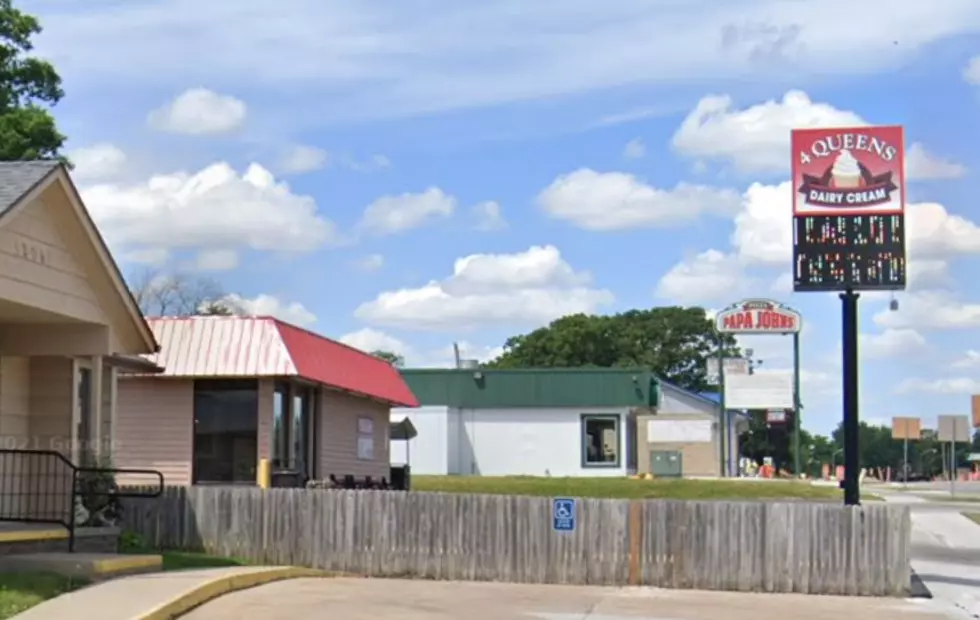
x,y
600,440
280,426
226,416
299,431
292,410
365,439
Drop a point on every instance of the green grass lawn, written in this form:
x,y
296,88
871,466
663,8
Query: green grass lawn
x,y
20,591
973,516
627,488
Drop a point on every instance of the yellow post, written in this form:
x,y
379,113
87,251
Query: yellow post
x,y
263,474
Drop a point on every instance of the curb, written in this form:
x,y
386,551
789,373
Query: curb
x,y
224,585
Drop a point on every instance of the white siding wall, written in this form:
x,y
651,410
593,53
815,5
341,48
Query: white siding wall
x,y
429,453
532,442
676,401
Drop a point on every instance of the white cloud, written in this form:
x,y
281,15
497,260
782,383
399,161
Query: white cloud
x,y
763,227
757,138
370,263
370,340
970,359
630,116
216,260
930,310
267,305
214,208
488,216
616,200
526,288
154,257
971,73
754,139
951,385
635,149
922,165
97,162
361,59
893,343
301,158
390,215
199,111
711,276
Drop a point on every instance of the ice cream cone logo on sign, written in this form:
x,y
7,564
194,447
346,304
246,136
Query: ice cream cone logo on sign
x,y
839,171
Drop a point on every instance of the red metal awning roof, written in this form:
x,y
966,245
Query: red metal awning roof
x,y
233,346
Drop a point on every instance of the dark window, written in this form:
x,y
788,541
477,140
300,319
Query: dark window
x,y
300,428
600,441
226,415
292,410
280,430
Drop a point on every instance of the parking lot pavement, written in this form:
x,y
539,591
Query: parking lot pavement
x,y
383,599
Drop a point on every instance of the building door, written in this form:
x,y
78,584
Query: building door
x,y
666,463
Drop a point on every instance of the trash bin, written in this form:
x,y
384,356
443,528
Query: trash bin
x,y
401,477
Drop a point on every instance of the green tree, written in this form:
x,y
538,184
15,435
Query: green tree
x,y
27,86
392,358
673,342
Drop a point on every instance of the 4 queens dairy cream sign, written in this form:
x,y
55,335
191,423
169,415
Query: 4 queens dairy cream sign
x,y
849,171
758,316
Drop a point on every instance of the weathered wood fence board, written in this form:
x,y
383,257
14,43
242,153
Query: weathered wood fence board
x,y
749,546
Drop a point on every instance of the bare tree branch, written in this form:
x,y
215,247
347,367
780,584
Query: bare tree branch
x,y
159,293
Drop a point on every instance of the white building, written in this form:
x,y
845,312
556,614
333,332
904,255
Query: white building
x,y
557,422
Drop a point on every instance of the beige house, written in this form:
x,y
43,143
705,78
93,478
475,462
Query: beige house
x,y
235,390
67,325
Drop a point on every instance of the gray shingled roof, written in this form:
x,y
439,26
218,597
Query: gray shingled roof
x,y
19,177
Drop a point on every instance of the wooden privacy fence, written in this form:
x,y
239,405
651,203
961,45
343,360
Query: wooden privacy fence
x,y
748,546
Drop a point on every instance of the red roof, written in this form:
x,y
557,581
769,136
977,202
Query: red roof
x,y
233,346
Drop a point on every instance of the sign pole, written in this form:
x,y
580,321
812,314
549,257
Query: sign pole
x,y
905,462
849,363
952,464
796,405
722,418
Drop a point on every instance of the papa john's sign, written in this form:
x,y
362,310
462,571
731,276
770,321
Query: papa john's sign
x,y
758,316
848,171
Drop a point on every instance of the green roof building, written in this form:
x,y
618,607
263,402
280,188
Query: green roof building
x,y
540,422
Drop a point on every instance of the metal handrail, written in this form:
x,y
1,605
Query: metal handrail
x,y
67,481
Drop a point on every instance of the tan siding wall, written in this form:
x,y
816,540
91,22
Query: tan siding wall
x,y
15,392
155,427
266,418
698,459
37,267
337,424
52,386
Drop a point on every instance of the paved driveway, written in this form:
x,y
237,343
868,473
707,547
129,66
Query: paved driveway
x,y
384,599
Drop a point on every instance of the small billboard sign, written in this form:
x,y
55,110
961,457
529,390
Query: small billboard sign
x,y
733,366
906,428
758,316
954,428
762,390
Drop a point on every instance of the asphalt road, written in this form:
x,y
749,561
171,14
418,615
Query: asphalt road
x,y
384,599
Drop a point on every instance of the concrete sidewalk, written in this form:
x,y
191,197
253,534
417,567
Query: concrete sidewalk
x,y
945,554
158,596
392,599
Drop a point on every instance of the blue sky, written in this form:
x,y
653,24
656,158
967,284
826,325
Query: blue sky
x,y
405,174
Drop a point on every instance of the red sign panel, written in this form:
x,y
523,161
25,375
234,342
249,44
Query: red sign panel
x,y
758,316
848,171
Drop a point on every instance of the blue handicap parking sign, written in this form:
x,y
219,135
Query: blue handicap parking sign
x,y
563,514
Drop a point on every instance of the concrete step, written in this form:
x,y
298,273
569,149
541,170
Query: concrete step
x,y
91,566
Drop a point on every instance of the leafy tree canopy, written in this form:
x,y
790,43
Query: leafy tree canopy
x,y
27,86
673,342
392,358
